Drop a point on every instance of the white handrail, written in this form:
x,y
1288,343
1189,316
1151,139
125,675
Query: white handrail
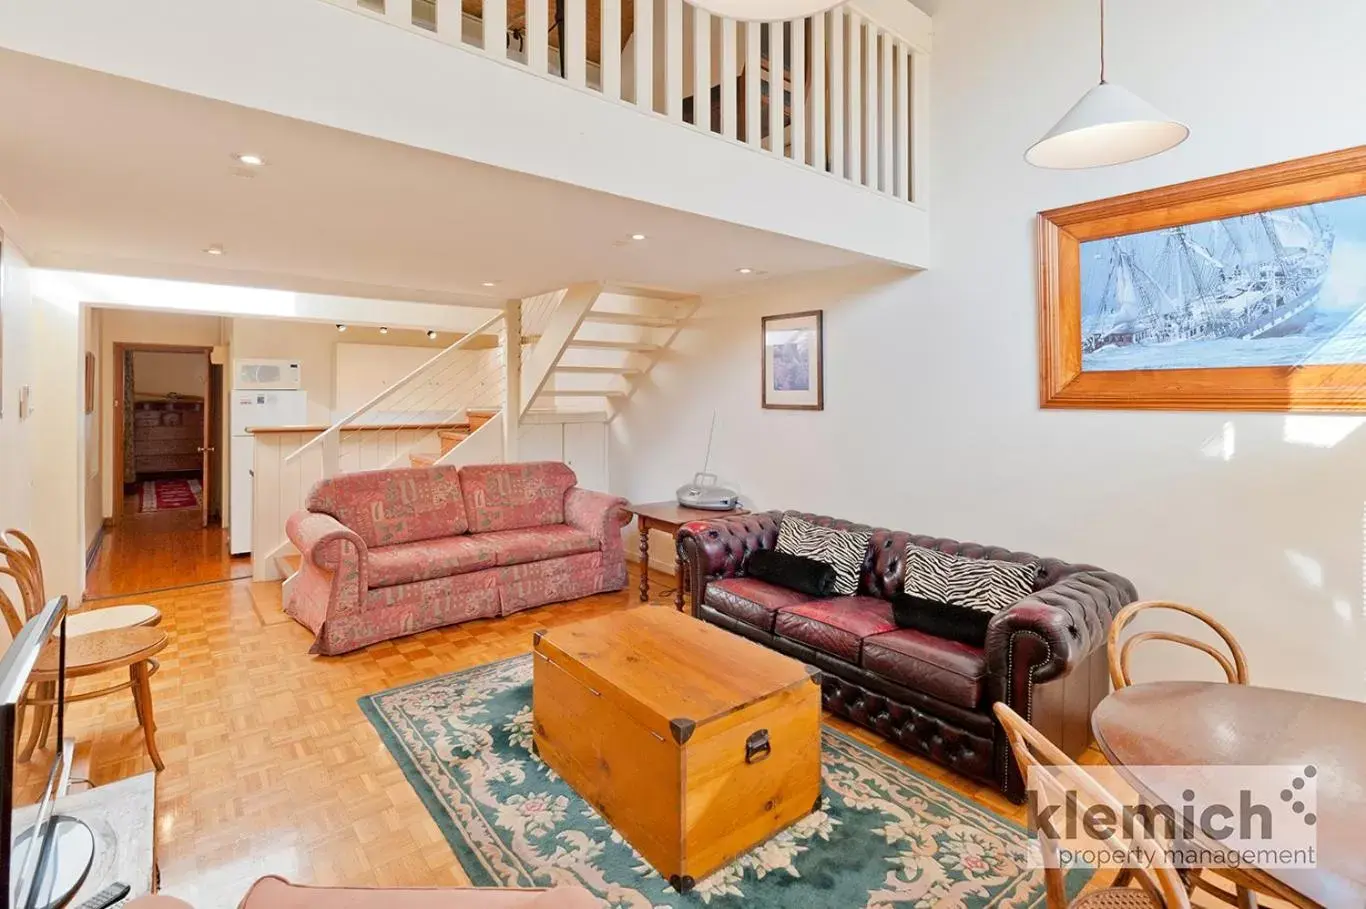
x,y
333,431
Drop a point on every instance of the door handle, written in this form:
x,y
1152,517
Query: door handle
x,y
203,450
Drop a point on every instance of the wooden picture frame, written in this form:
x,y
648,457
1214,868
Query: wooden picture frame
x,y
792,361
1141,335
89,382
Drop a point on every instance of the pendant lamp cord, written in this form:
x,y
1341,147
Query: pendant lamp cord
x,y
1102,41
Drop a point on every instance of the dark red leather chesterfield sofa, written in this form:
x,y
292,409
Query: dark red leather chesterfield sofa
x,y
1044,656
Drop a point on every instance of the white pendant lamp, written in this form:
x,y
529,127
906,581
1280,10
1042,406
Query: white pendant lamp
x,y
1109,125
766,10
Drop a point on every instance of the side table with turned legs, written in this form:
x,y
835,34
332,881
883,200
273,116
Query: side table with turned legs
x,y
667,517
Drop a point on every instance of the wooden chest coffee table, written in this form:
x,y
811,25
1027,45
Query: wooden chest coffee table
x,y
695,744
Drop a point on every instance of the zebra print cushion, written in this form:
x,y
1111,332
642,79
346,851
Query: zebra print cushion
x,y
842,550
986,585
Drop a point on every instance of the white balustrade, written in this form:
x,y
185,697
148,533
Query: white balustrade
x,y
843,92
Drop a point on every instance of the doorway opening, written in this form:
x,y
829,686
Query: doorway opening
x,y
167,474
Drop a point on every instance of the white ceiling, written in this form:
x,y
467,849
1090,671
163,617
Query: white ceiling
x,y
107,174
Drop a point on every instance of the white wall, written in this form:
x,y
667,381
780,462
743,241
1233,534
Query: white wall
x,y
16,347
932,421
158,372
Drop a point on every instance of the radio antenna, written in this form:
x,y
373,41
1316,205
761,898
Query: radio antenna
x,y
710,434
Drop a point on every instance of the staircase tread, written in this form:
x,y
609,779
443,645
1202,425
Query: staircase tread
x,y
583,392
614,370
638,346
627,318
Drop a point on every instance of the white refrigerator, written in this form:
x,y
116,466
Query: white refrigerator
x,y
255,407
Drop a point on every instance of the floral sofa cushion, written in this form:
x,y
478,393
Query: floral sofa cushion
x,y
385,507
514,496
534,544
426,560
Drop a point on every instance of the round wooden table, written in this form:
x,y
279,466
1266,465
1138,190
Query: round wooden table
x,y
90,654
1215,723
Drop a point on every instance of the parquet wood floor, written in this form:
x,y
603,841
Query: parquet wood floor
x,y
270,765
158,550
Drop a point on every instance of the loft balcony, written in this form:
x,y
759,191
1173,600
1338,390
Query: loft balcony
x,y
568,90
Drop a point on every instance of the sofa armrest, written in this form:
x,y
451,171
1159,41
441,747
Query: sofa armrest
x,y
595,513
321,539
716,547
1047,634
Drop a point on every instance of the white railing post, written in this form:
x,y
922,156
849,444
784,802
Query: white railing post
x,y
537,37
609,43
573,43
919,72
450,26
645,54
853,149
872,104
885,120
495,29
729,79
754,128
837,92
512,377
819,84
701,69
901,127
776,89
798,126
673,59
399,12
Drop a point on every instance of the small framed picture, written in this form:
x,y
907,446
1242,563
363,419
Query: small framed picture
x,y
793,361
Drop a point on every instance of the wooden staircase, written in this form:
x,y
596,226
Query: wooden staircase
x,y
620,336
453,436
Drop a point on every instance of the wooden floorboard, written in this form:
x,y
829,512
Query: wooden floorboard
x,y
271,768
159,550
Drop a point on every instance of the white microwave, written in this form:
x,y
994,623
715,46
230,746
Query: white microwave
x,y
265,374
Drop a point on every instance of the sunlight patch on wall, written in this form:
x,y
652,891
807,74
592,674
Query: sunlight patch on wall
x,y
1309,569
1221,444
1320,430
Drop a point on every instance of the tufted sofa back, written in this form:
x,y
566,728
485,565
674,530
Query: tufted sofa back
x,y
884,562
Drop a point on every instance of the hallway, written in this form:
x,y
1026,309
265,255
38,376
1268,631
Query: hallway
x,y
161,550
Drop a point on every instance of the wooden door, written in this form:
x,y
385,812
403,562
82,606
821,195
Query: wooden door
x,y
206,448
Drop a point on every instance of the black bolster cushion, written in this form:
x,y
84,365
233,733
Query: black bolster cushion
x,y
943,620
793,572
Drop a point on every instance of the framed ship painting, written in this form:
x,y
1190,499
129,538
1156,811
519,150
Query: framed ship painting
x,y
793,368
1239,292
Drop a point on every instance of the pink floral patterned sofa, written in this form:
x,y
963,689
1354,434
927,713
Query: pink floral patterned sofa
x,y
388,553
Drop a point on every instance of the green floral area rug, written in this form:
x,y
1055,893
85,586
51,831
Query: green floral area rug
x,y
884,836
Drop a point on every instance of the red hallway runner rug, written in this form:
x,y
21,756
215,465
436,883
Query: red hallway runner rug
x,y
164,495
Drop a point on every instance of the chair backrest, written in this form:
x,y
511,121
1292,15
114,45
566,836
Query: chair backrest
x,y
14,617
1235,668
27,575
22,542
1061,774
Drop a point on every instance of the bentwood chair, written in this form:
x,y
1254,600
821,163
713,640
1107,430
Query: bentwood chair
x,y
1234,666
1056,776
99,640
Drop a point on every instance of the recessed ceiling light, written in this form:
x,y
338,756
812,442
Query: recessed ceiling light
x,y
745,270
215,250
341,327
432,335
383,330
490,283
637,236
250,160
